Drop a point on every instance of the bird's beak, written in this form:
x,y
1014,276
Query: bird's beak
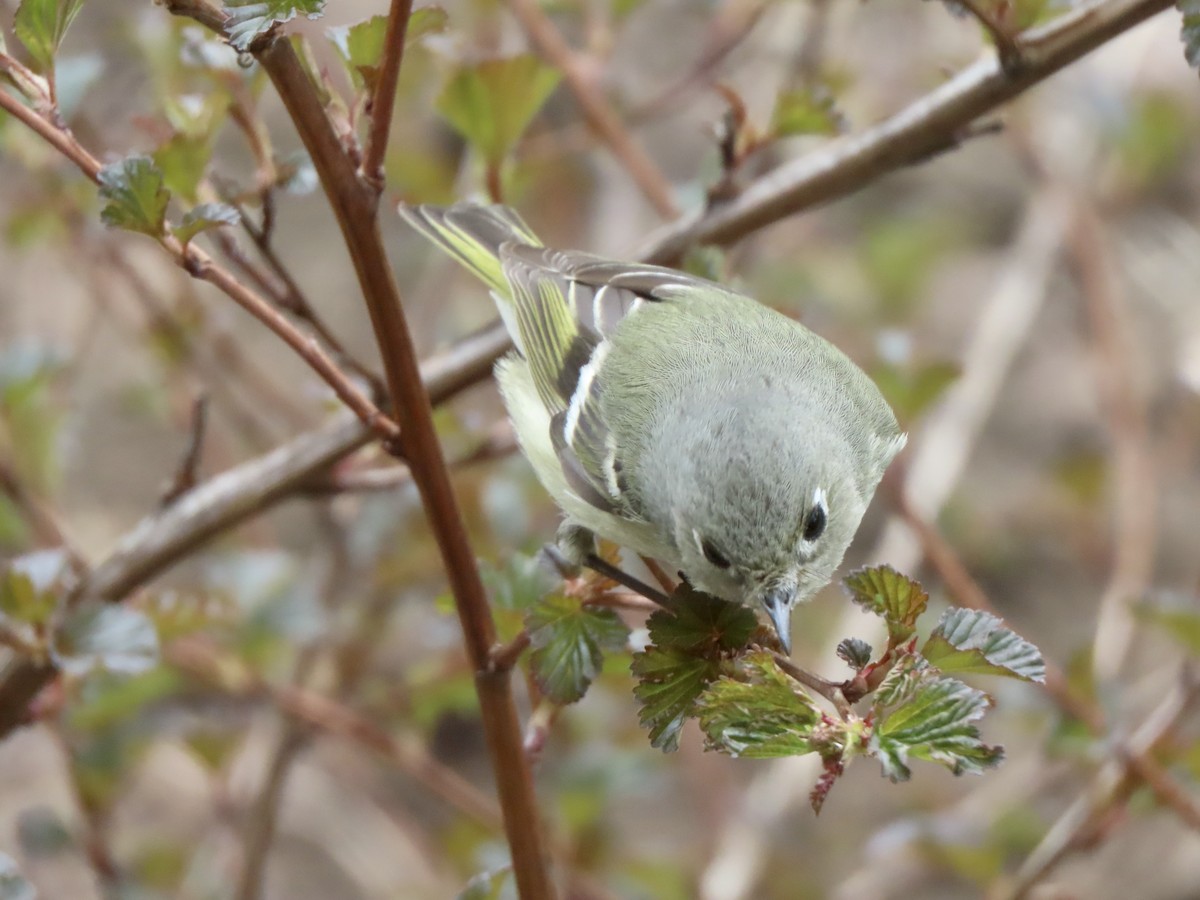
x,y
778,604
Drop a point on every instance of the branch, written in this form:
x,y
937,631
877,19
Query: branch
x,y
383,100
166,536
596,109
356,210
927,127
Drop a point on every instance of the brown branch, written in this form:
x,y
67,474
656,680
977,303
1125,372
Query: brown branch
x,y
383,100
1007,44
356,211
597,111
200,265
185,475
924,128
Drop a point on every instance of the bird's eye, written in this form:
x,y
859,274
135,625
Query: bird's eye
x,y
814,525
713,555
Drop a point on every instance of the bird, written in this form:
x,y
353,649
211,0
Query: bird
x,y
675,417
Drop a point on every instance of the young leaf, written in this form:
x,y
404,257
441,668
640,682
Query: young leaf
x,y
968,640
855,652
701,623
896,598
762,717
492,102
522,582
425,21
137,199
690,643
204,217
805,111
934,722
568,639
669,682
250,18
106,636
361,48
40,25
1189,32
487,885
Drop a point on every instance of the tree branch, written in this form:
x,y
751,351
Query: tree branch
x,y
925,128
596,109
383,100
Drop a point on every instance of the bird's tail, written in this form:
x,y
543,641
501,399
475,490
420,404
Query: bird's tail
x,y
473,234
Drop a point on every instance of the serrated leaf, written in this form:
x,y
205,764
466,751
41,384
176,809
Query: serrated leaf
x,y
760,714
492,102
1189,31
669,681
40,25
896,598
204,217
14,885
106,636
969,640
701,623
568,640
425,21
934,722
902,681
1178,615
805,111
251,18
855,652
360,47
137,199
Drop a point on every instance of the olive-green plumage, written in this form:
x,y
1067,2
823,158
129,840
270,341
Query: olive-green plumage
x,y
677,418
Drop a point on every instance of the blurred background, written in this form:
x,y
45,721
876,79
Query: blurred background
x,y
1028,301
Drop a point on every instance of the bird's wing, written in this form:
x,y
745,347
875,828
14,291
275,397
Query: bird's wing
x,y
568,306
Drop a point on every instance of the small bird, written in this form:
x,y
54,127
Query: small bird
x,y
676,418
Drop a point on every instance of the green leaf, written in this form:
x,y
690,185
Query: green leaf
x,y
492,102
250,18
205,217
690,643
669,683
805,111
40,25
902,681
933,721
108,637
760,714
425,21
969,640
855,652
360,47
14,885
30,588
568,641
1177,614
137,199
183,160
701,623
896,598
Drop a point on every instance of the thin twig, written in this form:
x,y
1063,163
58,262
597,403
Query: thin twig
x,y
596,109
185,476
383,100
1007,44
926,126
830,690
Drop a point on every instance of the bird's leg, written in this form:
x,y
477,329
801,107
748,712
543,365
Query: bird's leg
x,y
621,577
